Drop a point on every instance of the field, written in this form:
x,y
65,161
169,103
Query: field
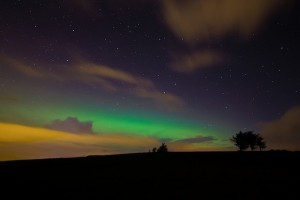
x,y
201,175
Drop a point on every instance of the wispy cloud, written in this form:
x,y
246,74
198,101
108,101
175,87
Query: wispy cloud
x,y
198,143
197,60
117,80
198,22
192,147
201,20
110,79
199,139
283,133
168,100
102,71
20,67
28,70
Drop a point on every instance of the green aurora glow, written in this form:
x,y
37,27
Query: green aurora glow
x,y
106,118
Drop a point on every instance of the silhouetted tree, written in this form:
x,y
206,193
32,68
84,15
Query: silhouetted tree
x,y
154,150
251,139
243,140
163,148
261,143
240,140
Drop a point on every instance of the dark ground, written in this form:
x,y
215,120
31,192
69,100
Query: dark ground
x,y
205,175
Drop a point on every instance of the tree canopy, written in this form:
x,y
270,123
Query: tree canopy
x,y
244,140
162,149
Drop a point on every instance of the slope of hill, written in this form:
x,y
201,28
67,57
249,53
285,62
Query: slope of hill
x,y
208,175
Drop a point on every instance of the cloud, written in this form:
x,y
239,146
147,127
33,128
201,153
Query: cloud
x,y
210,19
192,147
168,100
71,125
116,80
197,60
104,72
198,22
29,142
198,143
199,139
110,79
21,67
283,133
26,142
28,70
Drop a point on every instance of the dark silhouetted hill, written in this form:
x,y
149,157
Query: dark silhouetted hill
x,y
205,175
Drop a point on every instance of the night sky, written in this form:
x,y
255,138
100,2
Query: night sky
x,y
88,77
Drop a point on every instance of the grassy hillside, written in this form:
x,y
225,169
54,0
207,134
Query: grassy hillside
x,y
210,175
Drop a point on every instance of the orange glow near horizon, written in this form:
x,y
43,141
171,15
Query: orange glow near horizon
x,y
24,142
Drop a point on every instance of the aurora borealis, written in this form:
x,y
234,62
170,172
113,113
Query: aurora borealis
x,y
104,77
